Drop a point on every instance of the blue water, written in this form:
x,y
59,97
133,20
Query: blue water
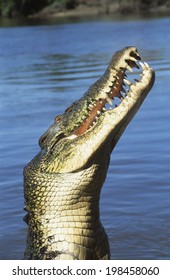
x,y
43,69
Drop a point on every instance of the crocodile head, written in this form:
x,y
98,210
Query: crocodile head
x,y
88,125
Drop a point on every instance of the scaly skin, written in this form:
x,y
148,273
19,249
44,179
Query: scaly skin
x,y
63,182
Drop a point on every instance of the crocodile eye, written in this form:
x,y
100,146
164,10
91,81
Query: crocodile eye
x,y
42,140
52,135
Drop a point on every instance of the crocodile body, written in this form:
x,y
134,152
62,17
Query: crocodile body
x,y
62,183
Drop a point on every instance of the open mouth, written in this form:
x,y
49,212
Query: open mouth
x,y
116,90
113,93
102,113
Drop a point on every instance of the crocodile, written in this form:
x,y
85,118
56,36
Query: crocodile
x,y
62,183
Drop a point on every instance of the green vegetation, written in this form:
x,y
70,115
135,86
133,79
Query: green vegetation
x,y
11,8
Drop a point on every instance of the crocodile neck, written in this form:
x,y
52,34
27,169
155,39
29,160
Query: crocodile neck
x,y
70,226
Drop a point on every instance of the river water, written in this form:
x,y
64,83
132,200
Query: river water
x,y
43,69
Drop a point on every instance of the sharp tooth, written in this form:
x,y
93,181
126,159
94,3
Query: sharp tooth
x,y
113,73
122,95
109,100
133,59
107,89
146,64
129,68
142,65
112,79
104,109
98,112
90,106
127,82
109,83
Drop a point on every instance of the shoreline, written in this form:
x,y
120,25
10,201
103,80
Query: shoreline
x,y
80,10
50,12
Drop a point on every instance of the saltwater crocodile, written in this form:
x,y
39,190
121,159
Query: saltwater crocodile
x,y
64,180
